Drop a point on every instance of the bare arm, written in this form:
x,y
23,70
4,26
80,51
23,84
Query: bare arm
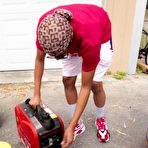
x,y
38,73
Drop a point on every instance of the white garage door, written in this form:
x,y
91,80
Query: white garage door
x,y
18,21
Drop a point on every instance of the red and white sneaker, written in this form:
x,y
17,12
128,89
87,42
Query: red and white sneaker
x,y
102,132
79,128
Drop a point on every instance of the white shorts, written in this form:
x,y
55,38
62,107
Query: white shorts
x,y
72,66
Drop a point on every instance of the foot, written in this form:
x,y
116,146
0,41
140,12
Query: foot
x,y
79,128
102,132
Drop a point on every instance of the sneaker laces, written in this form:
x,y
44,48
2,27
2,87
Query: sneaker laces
x,y
100,123
77,126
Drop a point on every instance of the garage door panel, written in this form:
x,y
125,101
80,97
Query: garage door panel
x,y
17,42
15,26
2,59
46,6
45,1
23,56
10,7
20,66
12,2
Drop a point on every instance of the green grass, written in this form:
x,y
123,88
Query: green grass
x,y
119,75
139,69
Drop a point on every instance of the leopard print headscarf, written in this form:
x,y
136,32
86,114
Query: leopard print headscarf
x,y
55,32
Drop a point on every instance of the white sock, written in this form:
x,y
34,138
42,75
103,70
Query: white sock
x,y
72,108
100,111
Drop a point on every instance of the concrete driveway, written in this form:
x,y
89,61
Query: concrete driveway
x,y
127,108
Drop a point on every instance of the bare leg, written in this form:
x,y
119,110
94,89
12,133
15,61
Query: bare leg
x,y
70,89
98,94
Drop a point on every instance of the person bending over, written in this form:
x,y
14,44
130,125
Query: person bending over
x,y
79,35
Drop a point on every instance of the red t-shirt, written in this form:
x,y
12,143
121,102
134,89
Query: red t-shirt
x,y
91,28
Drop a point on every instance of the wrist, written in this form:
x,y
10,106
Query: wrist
x,y
72,125
37,97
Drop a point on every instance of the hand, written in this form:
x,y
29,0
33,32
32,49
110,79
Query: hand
x,y
35,101
68,137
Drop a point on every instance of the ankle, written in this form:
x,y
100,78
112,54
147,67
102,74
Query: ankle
x,y
99,117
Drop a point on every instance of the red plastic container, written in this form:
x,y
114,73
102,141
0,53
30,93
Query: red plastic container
x,y
33,133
